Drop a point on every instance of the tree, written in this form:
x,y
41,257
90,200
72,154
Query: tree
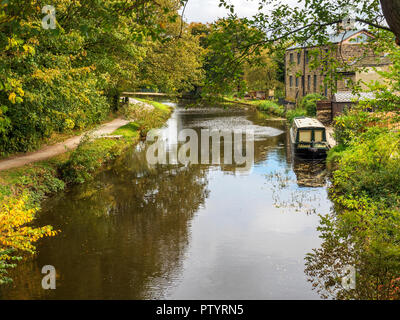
x,y
391,11
173,63
70,77
16,234
262,74
281,25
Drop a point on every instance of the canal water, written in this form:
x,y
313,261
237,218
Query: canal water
x,y
186,232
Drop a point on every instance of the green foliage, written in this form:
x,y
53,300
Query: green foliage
x,y
173,67
262,73
309,103
335,154
88,158
365,231
224,63
131,130
6,264
39,180
377,152
295,113
350,125
91,155
70,78
272,108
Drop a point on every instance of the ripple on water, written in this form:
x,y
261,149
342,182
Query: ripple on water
x,y
237,123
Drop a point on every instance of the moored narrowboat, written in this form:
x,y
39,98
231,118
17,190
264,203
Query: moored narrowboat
x,y
308,136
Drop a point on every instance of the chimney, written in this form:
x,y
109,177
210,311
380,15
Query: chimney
x,y
347,24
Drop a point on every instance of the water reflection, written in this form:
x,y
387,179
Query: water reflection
x,y
364,256
123,235
195,232
310,173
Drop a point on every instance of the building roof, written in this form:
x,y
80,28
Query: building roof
x,y
333,38
308,123
348,96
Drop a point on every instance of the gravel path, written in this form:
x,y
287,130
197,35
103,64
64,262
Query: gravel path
x,y
59,148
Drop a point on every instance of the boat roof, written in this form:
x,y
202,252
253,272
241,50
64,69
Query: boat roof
x,y
308,123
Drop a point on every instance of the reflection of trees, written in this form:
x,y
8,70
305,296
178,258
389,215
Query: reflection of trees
x,y
123,235
370,250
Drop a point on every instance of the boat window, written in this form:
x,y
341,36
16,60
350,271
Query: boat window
x,y
305,135
318,136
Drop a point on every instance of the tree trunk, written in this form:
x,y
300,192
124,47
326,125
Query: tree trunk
x,y
391,11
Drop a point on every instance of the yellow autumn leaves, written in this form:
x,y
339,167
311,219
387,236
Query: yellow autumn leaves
x,y
15,231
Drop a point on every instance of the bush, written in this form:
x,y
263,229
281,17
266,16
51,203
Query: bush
x,y
377,152
309,103
89,157
351,125
293,114
16,234
272,108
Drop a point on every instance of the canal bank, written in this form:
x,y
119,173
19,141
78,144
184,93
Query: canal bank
x,y
193,232
23,189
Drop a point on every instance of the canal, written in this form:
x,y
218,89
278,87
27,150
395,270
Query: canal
x,y
186,232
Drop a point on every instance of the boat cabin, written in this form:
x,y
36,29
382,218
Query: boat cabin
x,y
309,135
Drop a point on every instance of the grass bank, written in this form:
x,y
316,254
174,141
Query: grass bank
x,y
23,189
307,107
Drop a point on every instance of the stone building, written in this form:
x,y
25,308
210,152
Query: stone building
x,y
301,79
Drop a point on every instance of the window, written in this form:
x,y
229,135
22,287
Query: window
x,y
326,58
291,58
299,58
326,90
305,135
291,81
297,82
309,83
315,83
318,136
307,57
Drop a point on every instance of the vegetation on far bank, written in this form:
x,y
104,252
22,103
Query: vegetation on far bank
x,y
306,107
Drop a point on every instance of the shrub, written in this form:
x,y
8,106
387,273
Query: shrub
x,y
15,233
350,125
272,108
89,157
309,103
295,113
377,152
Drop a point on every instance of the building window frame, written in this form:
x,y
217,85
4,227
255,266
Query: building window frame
x,y
315,82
